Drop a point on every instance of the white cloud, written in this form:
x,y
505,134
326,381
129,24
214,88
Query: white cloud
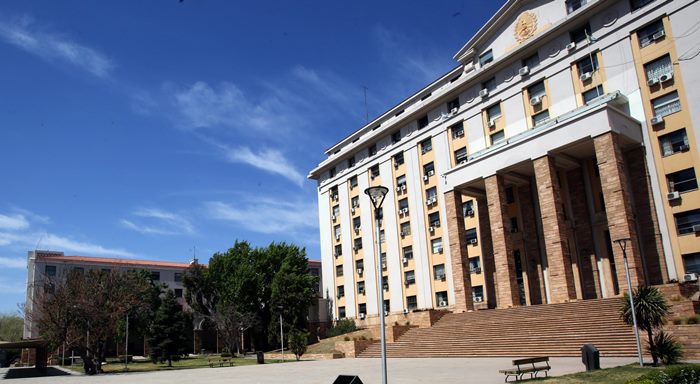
x,y
53,47
60,243
159,222
13,222
13,262
270,216
268,160
33,217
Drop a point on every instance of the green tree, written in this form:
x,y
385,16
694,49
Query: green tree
x,y
651,310
298,341
167,337
293,289
11,327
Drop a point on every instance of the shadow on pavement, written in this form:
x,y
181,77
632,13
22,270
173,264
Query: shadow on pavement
x,y
23,373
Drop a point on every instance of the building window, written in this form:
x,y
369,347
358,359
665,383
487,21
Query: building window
x,y
336,231
385,279
572,5
409,277
453,105
387,305
429,169
531,61
489,84
592,94
685,221
178,292
434,219
674,142
588,64
359,264
396,137
650,33
403,203
441,299
178,277
475,264
50,270
666,104
331,172
338,250
372,150
339,270
426,146
155,275
580,34
486,58
471,236
497,137
439,271
510,195
457,130
478,293
382,238
341,291
374,171
536,89
540,118
493,112
514,225
691,262
636,4
407,252
406,228
461,155
341,312
682,181
431,193
351,162
362,308
355,202
336,211
436,245
423,122
659,67
411,303
398,159
468,208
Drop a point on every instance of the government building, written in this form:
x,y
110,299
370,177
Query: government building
x,y
565,126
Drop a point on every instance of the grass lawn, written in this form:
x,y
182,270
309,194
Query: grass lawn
x,y
609,376
113,366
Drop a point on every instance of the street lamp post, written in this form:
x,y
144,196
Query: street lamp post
x,y
377,195
281,332
623,245
126,345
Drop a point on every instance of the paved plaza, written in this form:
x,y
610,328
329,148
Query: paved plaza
x,y
401,371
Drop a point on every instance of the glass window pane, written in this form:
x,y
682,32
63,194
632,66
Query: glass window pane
x,y
666,104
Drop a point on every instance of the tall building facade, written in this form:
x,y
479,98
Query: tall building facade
x,y
565,126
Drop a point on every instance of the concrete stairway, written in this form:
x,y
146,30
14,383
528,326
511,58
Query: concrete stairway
x,y
551,330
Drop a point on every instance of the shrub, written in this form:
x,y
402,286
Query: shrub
x,y
693,320
341,327
666,348
298,341
225,354
681,374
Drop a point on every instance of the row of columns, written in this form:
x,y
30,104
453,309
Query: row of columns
x,y
547,247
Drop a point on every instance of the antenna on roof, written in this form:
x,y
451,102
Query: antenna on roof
x,y
36,247
194,255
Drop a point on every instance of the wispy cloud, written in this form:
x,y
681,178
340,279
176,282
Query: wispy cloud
x,y
268,160
54,47
13,262
61,243
13,222
32,216
265,215
158,222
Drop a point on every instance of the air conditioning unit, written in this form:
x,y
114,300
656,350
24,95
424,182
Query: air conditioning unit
x,y
514,230
405,210
352,210
333,217
372,176
696,228
405,260
386,287
384,265
362,316
398,189
491,123
396,165
407,283
484,93
658,35
359,271
476,270
652,82
675,195
361,291
337,237
403,187
425,177
537,100
683,147
431,172
688,277
405,311
478,299
402,233
336,254
442,303
431,229
335,197
439,249
586,76
436,224
454,110
400,211
357,228
443,277
355,248
666,77
656,120
470,212
524,71
472,241
571,46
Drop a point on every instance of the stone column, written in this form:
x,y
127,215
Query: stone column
x,y
618,207
583,235
488,267
507,286
532,250
561,280
461,279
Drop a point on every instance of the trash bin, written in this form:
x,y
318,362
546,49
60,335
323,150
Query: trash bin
x,y
345,379
590,357
261,357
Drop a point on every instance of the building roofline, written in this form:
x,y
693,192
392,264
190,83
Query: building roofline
x,y
114,261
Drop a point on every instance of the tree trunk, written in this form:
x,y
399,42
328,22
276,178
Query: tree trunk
x,y
654,358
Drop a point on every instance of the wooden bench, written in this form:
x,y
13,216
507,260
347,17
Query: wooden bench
x,y
527,366
220,362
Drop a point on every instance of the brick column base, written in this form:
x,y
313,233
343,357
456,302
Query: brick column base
x,y
459,257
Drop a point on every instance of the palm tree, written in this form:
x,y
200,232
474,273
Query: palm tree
x,y
651,310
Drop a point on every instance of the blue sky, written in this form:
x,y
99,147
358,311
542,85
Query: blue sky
x,y
146,129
